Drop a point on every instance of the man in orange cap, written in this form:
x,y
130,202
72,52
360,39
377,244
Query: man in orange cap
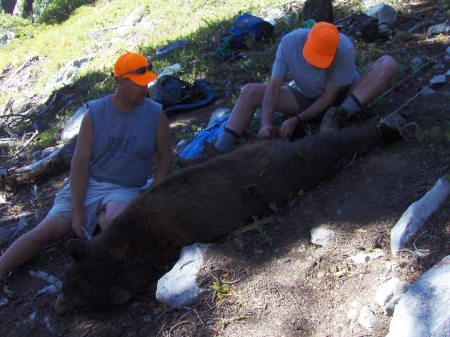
x,y
321,61
117,139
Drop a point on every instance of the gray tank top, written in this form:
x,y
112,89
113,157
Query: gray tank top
x,y
123,142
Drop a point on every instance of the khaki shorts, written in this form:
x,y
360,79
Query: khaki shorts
x,y
304,102
97,195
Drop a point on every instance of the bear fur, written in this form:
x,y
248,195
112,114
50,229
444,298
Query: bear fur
x,y
200,204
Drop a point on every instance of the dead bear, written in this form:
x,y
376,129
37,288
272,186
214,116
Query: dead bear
x,y
201,204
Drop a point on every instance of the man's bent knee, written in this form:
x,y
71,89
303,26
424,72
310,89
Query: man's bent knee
x,y
386,64
252,93
111,211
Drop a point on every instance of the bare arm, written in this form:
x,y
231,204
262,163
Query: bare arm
x,y
79,173
163,150
269,101
315,110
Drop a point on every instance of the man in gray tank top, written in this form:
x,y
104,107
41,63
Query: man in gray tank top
x,y
117,139
321,62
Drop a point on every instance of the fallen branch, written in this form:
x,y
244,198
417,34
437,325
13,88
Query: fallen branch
x,y
56,162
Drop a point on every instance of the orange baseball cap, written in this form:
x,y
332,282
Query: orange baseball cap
x,y
136,67
321,45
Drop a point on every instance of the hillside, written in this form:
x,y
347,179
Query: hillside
x,y
278,282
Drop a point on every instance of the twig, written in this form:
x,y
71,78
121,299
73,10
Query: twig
x,y
35,134
351,161
252,226
181,323
195,311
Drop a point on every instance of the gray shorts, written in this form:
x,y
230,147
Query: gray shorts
x,y
304,102
97,195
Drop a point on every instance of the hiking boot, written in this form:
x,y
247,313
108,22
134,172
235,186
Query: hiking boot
x,y
330,123
209,152
392,127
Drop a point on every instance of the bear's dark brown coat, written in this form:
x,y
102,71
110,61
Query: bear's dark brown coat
x,y
199,204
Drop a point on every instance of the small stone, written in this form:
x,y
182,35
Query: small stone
x,y
438,79
366,257
321,236
427,91
3,301
416,62
367,318
390,292
352,314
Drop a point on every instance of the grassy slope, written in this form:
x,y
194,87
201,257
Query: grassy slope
x,y
170,20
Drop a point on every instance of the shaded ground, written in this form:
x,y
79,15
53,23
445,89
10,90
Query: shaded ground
x,y
280,283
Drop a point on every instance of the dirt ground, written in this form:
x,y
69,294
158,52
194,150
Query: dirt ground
x,y
279,283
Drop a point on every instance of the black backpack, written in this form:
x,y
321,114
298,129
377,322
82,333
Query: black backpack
x,y
175,94
246,27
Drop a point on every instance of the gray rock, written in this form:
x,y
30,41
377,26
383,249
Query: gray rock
x,y
420,27
6,37
427,91
416,62
417,213
424,309
362,257
442,28
384,13
3,301
70,70
73,124
438,79
367,318
171,47
178,287
389,293
321,236
275,15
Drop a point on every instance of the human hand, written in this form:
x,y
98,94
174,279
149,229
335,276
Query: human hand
x,y
288,127
78,223
266,131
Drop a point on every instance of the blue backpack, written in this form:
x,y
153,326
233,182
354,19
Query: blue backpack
x,y
245,27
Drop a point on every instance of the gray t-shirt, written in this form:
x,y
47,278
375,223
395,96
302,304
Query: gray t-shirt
x,y
123,143
312,81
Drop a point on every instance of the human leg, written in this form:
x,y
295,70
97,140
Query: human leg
x,y
370,85
26,246
251,97
110,210
114,202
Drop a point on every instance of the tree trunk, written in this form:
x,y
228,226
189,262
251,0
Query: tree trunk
x,y
28,8
8,6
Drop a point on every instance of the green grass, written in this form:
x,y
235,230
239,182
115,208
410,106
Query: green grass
x,y
94,31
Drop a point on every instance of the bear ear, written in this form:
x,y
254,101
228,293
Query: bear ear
x,y
118,295
76,248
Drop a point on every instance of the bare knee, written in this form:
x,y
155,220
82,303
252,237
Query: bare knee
x,y
111,211
252,93
386,65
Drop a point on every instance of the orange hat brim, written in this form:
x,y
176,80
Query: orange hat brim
x,y
143,79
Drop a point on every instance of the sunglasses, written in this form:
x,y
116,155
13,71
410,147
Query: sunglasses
x,y
139,71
